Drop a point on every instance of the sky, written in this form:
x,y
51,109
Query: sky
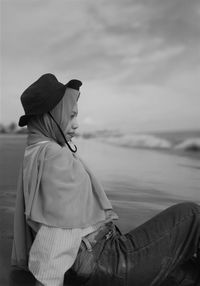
x,y
139,60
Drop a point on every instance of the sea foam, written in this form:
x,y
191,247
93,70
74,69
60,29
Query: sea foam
x,y
139,140
190,144
185,141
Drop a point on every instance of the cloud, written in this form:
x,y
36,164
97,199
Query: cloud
x,y
89,121
186,82
132,51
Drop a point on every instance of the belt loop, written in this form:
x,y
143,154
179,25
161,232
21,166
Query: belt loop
x,y
87,244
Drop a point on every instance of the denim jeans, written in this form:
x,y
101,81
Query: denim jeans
x,y
162,251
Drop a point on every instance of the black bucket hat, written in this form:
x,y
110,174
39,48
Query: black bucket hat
x,y
43,95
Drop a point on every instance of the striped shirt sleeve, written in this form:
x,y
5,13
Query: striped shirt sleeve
x,y
53,252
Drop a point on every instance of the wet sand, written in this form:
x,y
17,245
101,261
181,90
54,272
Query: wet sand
x,y
139,183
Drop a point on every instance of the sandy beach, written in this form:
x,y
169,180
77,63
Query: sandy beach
x,y
139,183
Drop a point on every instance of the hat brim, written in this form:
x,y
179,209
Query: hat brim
x,y
23,121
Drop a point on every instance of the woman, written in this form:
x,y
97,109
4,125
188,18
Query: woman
x,y
64,231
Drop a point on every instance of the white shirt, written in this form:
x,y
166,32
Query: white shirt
x,y
54,251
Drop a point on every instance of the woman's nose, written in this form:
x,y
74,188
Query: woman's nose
x,y
75,124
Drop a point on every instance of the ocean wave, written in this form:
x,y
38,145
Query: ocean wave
x,y
176,140
138,140
190,144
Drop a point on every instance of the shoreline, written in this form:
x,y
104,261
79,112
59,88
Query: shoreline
x,y
171,151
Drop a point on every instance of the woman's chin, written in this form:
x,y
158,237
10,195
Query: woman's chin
x,y
69,137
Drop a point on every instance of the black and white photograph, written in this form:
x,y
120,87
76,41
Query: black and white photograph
x,y
99,143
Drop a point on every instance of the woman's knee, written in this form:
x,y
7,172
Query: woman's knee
x,y
187,208
191,206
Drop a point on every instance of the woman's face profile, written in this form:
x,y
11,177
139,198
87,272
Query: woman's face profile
x,y
73,123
